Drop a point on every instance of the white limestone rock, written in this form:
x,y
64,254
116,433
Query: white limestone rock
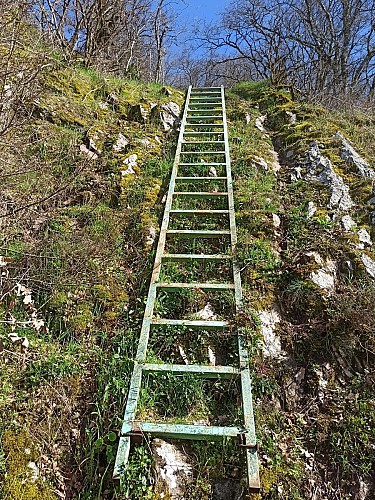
x,y
172,469
207,313
311,209
276,221
369,265
319,168
296,174
90,154
168,114
323,279
349,154
121,143
364,238
258,160
292,117
259,123
271,342
347,222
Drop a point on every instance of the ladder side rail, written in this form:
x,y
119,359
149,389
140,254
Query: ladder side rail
x,y
252,459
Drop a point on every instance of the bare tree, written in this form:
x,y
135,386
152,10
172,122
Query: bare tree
x,y
20,65
317,45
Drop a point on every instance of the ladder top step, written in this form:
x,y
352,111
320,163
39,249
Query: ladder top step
x,y
203,370
204,325
192,256
203,286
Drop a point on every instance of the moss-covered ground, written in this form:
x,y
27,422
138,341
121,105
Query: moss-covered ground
x,y
77,241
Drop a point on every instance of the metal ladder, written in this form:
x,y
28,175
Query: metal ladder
x,y
204,125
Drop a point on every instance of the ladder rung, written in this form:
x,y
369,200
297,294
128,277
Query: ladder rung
x,y
204,124
202,164
191,432
209,178
203,286
197,194
202,153
204,117
176,257
200,110
189,233
203,370
203,142
199,212
208,99
197,134
204,325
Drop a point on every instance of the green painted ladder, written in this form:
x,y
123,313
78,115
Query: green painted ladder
x,y
203,126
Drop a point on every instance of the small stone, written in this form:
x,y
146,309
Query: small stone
x,y
271,342
258,160
296,174
311,209
292,117
276,221
247,118
121,143
364,238
323,280
90,154
207,313
144,142
113,98
259,123
150,238
347,222
168,115
319,168
212,172
315,257
369,265
131,160
35,471
128,171
102,105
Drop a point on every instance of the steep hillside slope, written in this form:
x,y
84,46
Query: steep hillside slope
x,y
82,187
306,219
83,182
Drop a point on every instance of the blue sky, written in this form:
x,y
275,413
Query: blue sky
x,y
200,9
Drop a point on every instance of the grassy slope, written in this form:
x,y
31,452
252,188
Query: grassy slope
x,y
84,255
308,443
